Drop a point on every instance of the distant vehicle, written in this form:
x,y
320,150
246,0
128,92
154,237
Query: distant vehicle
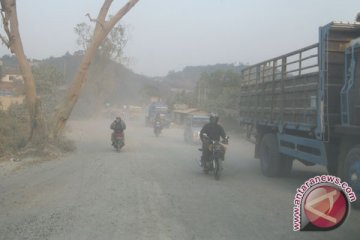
x,y
305,105
154,108
193,125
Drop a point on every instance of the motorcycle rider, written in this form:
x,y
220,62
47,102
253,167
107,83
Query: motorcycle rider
x,y
214,131
118,125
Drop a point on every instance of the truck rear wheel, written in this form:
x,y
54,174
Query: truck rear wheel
x,y
332,168
351,172
333,163
286,164
272,162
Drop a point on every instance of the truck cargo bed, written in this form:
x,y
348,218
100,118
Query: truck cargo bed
x,y
300,90
278,92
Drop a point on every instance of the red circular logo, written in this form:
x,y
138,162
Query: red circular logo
x,y
326,207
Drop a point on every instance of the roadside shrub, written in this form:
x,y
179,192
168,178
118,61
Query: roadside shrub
x,y
14,129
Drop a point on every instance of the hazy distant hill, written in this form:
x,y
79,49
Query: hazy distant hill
x,y
122,80
118,85
188,77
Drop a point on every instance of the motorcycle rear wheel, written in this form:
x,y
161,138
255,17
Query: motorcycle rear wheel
x,y
118,145
217,168
205,167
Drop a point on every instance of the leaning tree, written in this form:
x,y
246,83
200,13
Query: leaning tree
x,y
12,40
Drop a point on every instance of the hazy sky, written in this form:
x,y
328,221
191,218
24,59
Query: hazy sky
x,y
168,35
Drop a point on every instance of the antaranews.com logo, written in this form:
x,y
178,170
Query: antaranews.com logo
x,y
322,203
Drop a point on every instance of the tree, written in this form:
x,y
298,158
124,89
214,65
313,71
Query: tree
x,y
110,50
102,29
48,80
112,46
13,41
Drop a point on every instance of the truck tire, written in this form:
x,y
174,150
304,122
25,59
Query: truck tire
x,y
351,172
273,163
286,164
269,156
332,168
333,157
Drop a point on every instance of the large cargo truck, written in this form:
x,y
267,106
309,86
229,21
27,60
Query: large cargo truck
x,y
305,105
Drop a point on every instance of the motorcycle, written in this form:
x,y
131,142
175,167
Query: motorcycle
x,y
118,140
216,157
157,128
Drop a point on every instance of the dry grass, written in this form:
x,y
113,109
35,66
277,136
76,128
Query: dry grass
x,y
14,132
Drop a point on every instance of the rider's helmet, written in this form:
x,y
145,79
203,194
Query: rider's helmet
x,y
214,118
118,118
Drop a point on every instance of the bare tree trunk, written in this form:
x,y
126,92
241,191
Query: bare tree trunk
x,y
95,91
102,29
14,43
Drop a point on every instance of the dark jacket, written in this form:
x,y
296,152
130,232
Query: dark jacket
x,y
118,125
214,131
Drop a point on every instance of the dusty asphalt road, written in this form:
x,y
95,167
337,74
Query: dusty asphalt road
x,y
153,189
